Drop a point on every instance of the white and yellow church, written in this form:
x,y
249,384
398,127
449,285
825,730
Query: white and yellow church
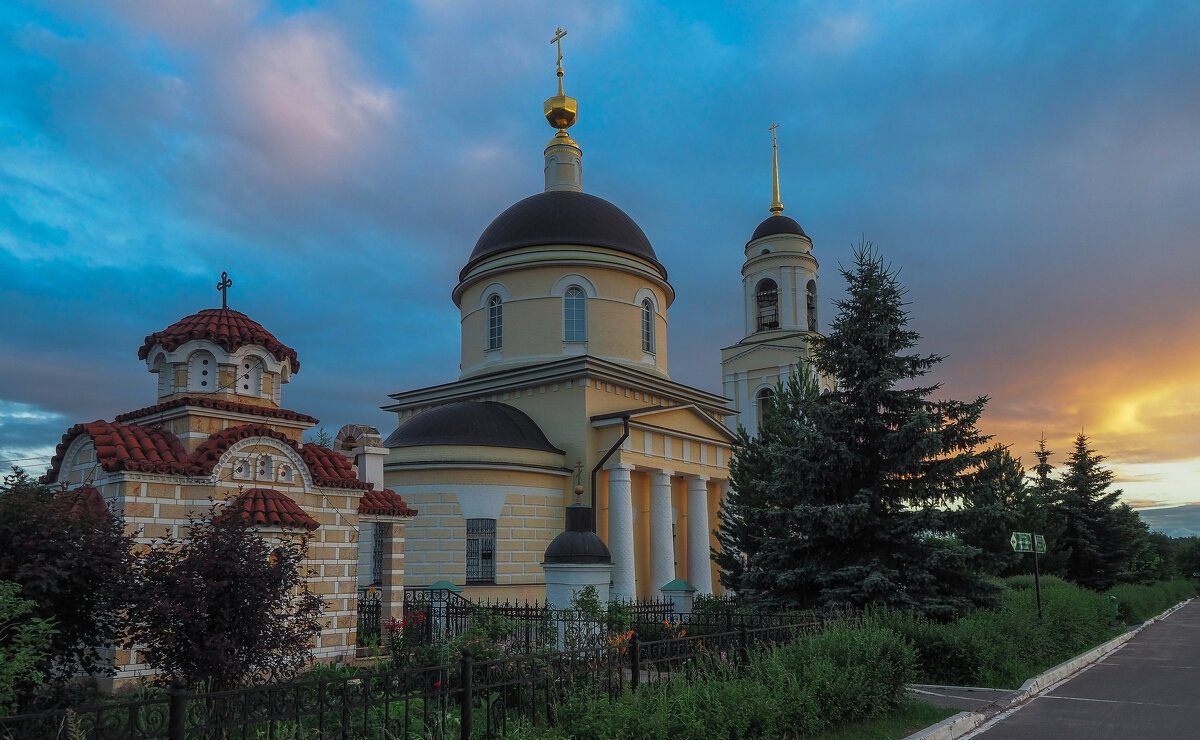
x,y
564,398
564,381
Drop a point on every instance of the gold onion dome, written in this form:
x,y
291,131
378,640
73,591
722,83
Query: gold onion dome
x,y
561,110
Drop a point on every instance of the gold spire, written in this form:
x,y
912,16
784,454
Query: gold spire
x,y
561,110
776,206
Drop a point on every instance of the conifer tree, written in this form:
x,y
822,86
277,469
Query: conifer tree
x,y
1003,502
1101,537
837,501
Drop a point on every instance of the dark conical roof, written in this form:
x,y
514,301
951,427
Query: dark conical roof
x,y
562,217
777,224
471,423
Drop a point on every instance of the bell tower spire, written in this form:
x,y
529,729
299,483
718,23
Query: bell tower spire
x,y
564,158
776,205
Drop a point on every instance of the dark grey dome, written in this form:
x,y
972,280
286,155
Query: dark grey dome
x,y
777,224
562,217
578,544
467,423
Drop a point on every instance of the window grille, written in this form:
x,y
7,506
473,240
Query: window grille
x,y
381,533
574,315
481,551
495,322
647,326
766,296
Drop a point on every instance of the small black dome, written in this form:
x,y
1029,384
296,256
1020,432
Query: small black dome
x,y
467,423
777,224
579,544
562,217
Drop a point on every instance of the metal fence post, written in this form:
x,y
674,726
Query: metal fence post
x,y
635,654
468,698
744,644
177,710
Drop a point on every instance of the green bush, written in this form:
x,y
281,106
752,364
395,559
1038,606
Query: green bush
x,y
1005,646
847,673
1137,603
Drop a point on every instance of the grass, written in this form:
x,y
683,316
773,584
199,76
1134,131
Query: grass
x,y
913,715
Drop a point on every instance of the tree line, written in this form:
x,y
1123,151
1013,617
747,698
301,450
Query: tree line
x,y
872,493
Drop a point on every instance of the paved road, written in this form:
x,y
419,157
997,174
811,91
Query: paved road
x,y
1148,688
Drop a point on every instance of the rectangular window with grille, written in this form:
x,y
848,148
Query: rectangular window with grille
x,y
381,533
481,551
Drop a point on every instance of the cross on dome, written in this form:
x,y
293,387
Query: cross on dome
x,y
224,286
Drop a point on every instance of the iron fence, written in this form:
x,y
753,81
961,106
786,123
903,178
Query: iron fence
x,y
466,698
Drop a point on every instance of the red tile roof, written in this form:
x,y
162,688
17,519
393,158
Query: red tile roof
x,y
266,507
85,502
225,327
218,404
209,453
121,447
331,468
384,503
155,450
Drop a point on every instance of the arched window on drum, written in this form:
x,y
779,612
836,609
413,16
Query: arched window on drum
x,y
495,322
574,315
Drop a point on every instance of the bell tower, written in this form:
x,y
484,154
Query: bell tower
x,y
779,307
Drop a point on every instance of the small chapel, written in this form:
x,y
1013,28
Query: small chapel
x,y
219,435
564,396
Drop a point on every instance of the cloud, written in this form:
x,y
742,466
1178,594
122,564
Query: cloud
x,y
295,97
839,33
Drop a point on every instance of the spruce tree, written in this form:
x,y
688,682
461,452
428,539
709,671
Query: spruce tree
x,y
841,495
1002,503
1100,537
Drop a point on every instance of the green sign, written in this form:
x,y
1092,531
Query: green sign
x,y
1040,543
1021,541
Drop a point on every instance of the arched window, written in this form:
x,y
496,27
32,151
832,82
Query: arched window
x,y
766,301
495,322
249,380
574,315
647,325
762,402
811,302
265,470
202,372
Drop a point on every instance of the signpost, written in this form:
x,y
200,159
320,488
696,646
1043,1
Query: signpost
x,y
1034,543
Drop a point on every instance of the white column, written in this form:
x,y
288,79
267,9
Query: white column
x,y
699,569
620,532
662,546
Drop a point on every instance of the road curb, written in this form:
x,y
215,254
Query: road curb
x,y
964,722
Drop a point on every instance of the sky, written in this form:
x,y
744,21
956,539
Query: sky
x,y
1032,168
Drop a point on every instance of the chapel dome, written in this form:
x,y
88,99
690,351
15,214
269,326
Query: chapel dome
x,y
228,329
777,224
562,217
472,423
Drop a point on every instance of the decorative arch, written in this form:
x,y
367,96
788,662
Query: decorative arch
x,y
499,289
566,281
762,401
278,451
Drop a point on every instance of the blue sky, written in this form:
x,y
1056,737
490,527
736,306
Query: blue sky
x,y
1034,168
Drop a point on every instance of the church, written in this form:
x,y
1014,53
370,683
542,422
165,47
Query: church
x,y
564,403
565,388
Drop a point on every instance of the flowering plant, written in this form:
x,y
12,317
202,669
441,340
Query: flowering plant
x,y
402,635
